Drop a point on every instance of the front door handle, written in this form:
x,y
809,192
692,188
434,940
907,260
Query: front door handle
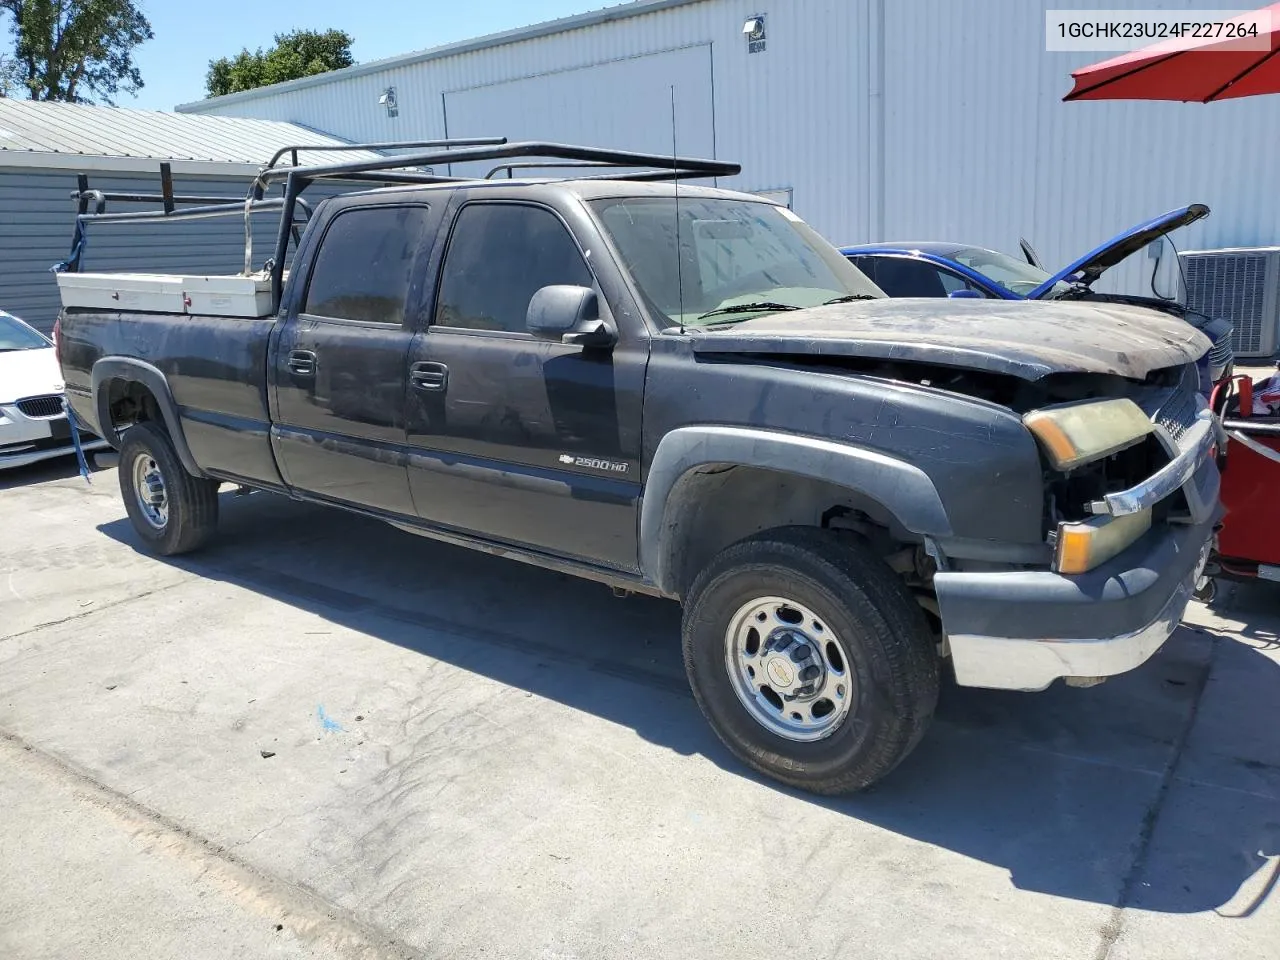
x,y
429,375
302,363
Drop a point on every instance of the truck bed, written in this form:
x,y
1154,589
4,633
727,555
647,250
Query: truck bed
x,y
215,368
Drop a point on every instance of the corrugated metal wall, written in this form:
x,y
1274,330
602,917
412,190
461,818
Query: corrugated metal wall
x,y
560,104
974,143
981,147
794,116
37,217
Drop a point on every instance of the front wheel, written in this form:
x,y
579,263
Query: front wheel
x,y
810,659
171,510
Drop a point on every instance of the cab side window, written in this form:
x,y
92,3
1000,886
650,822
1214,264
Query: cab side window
x,y
905,277
364,264
499,256
868,266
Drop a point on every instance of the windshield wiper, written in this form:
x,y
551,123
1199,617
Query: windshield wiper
x,y
748,308
849,298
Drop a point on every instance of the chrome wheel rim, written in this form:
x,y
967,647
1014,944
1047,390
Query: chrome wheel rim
x,y
150,491
789,669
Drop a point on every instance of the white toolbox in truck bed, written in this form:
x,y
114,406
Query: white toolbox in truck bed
x,y
223,296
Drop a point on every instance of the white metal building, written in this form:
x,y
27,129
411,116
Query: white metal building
x,y
44,146
880,119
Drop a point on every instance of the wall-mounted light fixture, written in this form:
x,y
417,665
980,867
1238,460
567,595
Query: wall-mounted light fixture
x,y
753,30
388,100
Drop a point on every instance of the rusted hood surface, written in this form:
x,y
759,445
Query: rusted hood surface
x,y
1023,339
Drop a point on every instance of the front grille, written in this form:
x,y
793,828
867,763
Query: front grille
x,y
47,406
1178,413
1220,355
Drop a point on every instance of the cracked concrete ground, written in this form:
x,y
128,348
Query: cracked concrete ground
x,y
323,737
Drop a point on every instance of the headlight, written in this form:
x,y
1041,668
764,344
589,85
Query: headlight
x,y
1079,432
1090,543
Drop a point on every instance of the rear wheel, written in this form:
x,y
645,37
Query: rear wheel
x,y
810,659
171,510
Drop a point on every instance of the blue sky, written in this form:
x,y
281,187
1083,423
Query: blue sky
x,y
190,33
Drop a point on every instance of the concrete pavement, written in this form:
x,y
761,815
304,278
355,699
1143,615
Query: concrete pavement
x,y
325,737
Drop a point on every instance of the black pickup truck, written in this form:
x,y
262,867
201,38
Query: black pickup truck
x,y
687,392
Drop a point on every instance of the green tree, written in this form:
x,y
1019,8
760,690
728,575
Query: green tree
x,y
10,76
76,50
302,53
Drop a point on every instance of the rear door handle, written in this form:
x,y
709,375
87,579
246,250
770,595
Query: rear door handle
x,y
302,363
429,375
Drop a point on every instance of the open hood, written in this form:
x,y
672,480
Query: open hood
x,y
1017,338
1091,266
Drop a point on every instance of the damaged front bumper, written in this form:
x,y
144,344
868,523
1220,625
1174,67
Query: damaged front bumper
x,y
1023,629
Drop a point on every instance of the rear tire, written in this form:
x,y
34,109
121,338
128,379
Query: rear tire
x,y
838,683
172,511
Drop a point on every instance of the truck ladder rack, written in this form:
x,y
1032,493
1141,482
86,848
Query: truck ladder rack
x,y
391,168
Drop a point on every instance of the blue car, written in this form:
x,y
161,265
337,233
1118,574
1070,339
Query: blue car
x,y
938,269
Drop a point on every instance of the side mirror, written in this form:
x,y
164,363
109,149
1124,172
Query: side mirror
x,y
569,314
965,294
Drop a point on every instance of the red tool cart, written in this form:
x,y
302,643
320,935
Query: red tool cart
x,y
1249,541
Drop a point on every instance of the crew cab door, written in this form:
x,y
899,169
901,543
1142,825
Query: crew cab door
x,y
513,438
339,363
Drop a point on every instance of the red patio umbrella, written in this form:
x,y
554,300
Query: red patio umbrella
x,y
1190,70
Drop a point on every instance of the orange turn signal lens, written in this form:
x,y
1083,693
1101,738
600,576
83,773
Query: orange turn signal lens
x,y
1091,543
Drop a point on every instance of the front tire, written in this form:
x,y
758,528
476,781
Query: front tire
x,y
810,659
171,510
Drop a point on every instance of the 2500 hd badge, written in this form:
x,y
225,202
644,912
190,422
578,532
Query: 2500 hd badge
x,y
593,463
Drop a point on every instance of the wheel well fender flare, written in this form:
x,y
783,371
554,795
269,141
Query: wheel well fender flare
x,y
130,369
902,488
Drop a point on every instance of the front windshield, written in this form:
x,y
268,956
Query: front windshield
x,y
1011,273
733,254
16,335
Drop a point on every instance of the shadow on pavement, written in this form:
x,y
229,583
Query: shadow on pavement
x,y
59,468
1063,789
1255,604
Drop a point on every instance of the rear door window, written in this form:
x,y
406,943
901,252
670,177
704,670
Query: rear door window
x,y
364,264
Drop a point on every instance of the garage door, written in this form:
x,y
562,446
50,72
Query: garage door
x,y
623,104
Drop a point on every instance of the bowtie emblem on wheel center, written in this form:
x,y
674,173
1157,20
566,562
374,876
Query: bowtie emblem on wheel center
x,y
780,672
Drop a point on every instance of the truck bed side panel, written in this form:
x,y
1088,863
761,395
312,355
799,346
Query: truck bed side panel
x,y
216,370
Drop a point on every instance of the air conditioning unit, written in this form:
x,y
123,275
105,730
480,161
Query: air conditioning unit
x,y
1242,285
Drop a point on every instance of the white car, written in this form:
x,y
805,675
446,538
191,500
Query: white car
x,y
33,424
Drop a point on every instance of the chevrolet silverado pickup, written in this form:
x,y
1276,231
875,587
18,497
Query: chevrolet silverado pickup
x,y
684,391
